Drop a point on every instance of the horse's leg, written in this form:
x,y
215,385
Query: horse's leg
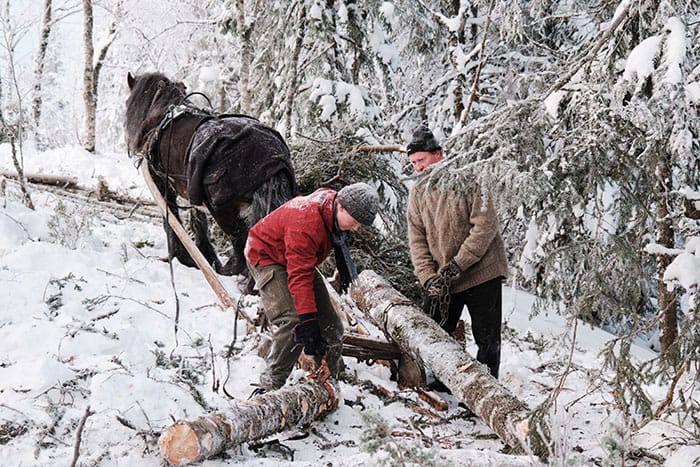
x,y
175,247
200,228
238,234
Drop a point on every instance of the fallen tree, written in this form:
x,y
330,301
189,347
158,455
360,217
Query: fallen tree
x,y
470,382
45,179
187,442
123,207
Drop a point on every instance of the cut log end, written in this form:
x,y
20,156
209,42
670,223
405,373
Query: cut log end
x,y
179,445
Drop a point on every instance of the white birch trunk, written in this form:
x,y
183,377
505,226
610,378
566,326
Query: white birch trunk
x,y
421,338
187,442
294,71
88,78
245,34
40,62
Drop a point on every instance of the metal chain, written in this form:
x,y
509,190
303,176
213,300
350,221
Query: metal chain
x,y
440,304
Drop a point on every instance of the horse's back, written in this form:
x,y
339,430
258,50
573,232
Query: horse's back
x,y
232,156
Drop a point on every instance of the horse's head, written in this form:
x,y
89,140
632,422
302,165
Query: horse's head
x,y
150,96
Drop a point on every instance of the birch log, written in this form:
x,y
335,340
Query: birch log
x,y
188,442
470,382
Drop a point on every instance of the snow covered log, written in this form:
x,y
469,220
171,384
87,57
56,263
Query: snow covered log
x,y
470,382
188,442
45,179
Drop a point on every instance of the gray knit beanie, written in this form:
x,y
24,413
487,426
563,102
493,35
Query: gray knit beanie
x,y
423,141
361,201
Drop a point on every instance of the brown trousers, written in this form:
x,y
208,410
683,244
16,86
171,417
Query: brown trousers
x,y
279,308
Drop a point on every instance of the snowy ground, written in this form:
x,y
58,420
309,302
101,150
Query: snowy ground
x,y
88,320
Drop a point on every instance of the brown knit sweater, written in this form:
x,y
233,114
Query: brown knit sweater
x,y
443,225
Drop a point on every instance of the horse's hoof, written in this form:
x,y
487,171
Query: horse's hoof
x,y
233,268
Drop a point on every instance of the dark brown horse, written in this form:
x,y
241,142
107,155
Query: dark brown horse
x,y
232,165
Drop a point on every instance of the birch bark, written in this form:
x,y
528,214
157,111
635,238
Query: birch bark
x,y
188,442
470,381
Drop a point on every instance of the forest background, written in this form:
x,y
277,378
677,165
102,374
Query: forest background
x,y
579,117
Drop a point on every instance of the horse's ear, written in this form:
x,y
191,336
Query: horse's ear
x,y
130,80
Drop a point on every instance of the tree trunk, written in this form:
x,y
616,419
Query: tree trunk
x,y
102,54
245,33
88,78
294,71
470,382
365,348
459,79
668,325
186,442
40,62
44,179
26,197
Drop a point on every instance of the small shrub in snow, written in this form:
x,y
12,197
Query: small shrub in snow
x,y
378,439
55,300
69,223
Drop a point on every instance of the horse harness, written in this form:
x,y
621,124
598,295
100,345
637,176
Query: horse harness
x,y
152,153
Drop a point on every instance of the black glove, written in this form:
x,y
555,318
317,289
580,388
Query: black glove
x,y
450,271
308,334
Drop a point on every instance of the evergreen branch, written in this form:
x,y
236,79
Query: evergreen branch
x,y
477,73
669,395
624,14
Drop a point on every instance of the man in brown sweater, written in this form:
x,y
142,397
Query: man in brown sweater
x,y
457,252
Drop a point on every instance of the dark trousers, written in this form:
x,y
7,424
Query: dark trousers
x,y
484,305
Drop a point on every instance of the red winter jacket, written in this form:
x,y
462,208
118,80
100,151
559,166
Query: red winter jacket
x,y
298,236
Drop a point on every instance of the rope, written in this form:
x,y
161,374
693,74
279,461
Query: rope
x,y
231,347
170,246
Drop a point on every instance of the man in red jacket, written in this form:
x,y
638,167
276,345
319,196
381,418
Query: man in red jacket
x,y
283,251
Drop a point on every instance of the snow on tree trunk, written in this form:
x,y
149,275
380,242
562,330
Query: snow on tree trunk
x,y
245,29
40,61
187,442
293,85
88,78
470,382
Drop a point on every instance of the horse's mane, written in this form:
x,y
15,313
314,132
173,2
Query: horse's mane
x,y
151,96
